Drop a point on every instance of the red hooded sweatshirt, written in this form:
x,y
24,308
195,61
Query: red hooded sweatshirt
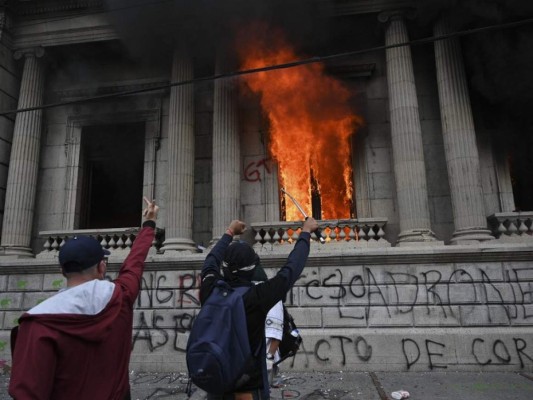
x,y
79,347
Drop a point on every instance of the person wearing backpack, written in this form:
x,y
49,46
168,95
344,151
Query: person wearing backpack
x,y
238,262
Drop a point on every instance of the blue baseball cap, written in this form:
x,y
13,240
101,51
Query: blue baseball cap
x,y
81,252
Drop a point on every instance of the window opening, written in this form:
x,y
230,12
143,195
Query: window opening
x,y
112,175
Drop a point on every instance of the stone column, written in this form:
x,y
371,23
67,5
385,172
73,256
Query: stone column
x,y
406,133
9,91
226,152
271,189
459,135
24,161
178,229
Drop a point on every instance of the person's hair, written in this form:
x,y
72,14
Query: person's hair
x,y
75,268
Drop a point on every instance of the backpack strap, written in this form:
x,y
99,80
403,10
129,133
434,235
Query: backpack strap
x,y
224,285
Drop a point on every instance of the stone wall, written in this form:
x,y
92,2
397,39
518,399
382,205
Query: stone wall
x,y
439,308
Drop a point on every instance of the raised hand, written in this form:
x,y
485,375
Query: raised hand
x,y
151,210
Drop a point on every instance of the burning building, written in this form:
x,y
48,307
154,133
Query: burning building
x,y
401,132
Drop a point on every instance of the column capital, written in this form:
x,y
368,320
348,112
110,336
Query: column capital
x,y
37,52
395,14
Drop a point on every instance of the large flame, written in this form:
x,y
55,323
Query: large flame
x,y
310,123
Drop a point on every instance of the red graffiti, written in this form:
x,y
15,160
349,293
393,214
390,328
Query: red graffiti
x,y
252,171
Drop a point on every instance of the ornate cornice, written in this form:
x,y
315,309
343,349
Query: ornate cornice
x,y
40,7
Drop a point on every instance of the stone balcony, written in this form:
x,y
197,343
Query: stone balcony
x,y
512,227
340,235
117,240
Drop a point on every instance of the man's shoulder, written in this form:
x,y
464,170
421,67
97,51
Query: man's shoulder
x,y
88,298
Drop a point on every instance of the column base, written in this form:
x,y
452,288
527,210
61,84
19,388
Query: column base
x,y
16,252
179,244
471,236
417,237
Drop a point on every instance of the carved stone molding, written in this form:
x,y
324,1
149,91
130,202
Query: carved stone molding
x,y
353,7
389,15
31,51
54,6
114,87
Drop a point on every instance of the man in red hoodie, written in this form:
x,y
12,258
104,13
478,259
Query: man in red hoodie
x,y
76,345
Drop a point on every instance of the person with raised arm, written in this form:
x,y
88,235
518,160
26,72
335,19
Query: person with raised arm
x,y
77,343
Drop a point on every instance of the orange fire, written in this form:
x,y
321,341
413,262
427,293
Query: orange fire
x,y
311,122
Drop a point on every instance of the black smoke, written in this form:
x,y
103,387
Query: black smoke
x,y
499,61
499,64
155,25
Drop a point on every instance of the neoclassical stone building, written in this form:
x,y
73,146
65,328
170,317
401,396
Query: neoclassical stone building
x,y
427,266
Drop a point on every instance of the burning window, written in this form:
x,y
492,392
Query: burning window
x,y
311,122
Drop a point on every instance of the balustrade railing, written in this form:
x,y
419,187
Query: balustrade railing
x,y
339,233
512,226
116,240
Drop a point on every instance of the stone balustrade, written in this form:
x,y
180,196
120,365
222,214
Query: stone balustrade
x,y
512,226
115,240
339,233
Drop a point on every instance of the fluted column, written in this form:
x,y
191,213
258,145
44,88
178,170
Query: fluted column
x,y
406,133
226,152
24,160
459,135
178,229
272,194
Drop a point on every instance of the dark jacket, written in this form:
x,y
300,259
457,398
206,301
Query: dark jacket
x,y
260,298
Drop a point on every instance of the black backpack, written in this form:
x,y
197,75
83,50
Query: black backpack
x,y
218,351
291,340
